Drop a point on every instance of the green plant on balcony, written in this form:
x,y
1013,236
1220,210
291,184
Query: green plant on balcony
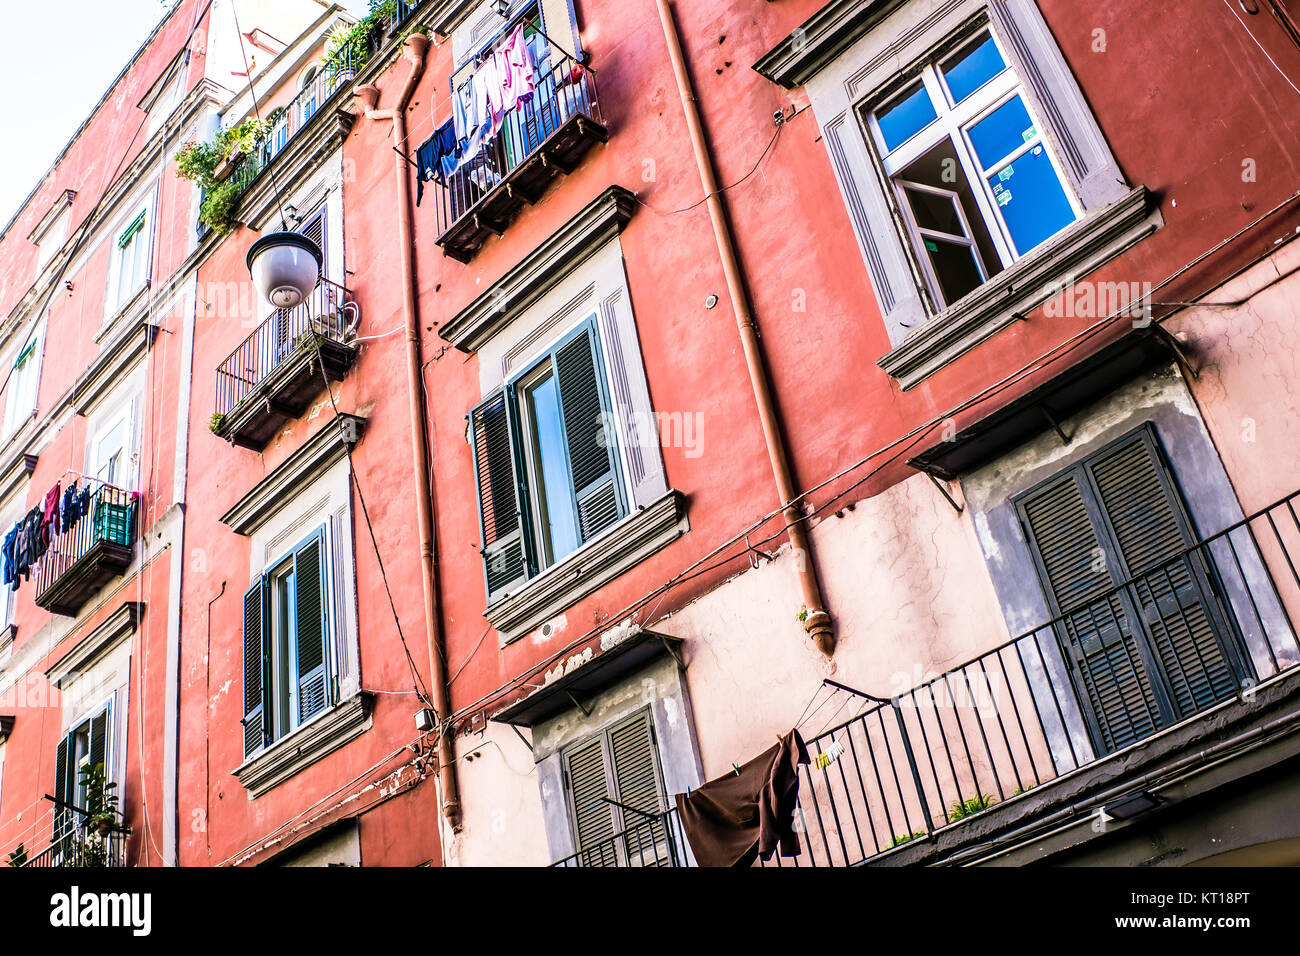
x,y
961,809
347,49
18,855
216,422
211,166
898,839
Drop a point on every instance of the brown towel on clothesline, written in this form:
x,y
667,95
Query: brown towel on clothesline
x,y
733,820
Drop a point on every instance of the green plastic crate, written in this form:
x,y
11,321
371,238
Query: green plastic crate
x,y
113,522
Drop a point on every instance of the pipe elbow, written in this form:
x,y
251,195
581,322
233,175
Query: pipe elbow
x,y
367,97
819,626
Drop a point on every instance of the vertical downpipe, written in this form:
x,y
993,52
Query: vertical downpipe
x,y
818,624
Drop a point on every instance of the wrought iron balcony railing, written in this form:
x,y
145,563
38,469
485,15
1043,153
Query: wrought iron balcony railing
x,y
655,839
544,135
1061,696
273,374
93,551
82,848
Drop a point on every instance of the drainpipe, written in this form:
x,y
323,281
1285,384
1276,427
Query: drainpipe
x,y
817,624
416,46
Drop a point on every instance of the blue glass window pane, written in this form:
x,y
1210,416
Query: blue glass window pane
x,y
906,118
557,495
1033,203
972,68
1002,132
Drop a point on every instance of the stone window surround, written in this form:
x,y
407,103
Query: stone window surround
x,y
674,731
1158,399
853,52
310,487
576,272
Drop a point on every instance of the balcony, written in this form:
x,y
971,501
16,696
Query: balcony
x,y
535,142
657,840
89,554
1020,717
274,374
82,849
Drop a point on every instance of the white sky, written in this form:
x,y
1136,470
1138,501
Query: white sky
x,y
58,64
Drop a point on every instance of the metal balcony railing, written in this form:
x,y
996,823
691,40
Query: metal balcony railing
x,y
84,849
655,839
325,316
543,135
96,548
1020,715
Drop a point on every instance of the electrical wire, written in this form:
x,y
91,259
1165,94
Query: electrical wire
x,y
915,436
1255,40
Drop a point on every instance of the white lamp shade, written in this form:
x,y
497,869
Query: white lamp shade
x,y
285,267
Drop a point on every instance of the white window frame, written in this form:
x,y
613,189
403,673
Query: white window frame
x,y
124,412
953,123
23,391
142,246
1113,215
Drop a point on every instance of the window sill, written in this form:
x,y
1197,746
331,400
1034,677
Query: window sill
x,y
136,299
1082,248
321,735
623,546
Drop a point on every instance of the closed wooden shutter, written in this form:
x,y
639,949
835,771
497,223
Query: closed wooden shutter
x,y
1097,630
1169,589
622,764
594,820
99,741
589,435
257,669
310,651
1135,610
504,566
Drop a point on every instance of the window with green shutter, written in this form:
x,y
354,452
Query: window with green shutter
x,y
615,792
545,455
1140,620
288,676
86,745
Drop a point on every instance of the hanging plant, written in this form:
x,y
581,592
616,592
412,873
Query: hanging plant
x,y
212,164
348,49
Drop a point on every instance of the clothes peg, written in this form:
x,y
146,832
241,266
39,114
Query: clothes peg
x,y
735,769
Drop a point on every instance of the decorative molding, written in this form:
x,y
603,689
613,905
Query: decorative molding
x,y
596,563
60,205
821,38
449,14
297,751
304,153
310,460
110,366
1012,293
539,272
96,645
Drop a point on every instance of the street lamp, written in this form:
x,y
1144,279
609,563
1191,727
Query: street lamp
x,y
285,267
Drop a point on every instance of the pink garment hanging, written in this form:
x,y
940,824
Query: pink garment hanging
x,y
515,70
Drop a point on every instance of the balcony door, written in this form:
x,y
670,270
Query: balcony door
x,y
1140,625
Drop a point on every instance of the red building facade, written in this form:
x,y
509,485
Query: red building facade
x,y
914,373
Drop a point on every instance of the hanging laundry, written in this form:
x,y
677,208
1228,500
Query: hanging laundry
x,y
83,501
68,510
748,812
436,157
515,70
10,571
50,513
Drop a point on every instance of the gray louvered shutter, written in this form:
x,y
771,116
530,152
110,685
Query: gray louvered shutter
x,y
636,777
257,668
99,740
504,566
590,442
65,789
587,776
1169,590
1098,636
310,652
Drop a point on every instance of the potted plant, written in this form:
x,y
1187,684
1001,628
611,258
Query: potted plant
x,y
212,164
102,816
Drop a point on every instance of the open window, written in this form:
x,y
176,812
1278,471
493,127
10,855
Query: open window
x,y
24,380
546,458
288,675
88,744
